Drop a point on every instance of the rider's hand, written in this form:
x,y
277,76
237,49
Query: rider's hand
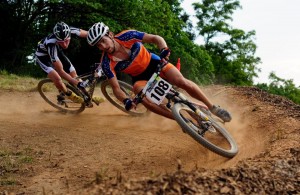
x,y
129,104
165,53
81,86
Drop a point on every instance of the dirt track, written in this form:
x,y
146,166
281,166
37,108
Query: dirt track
x,y
70,149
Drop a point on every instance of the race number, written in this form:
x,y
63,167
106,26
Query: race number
x,y
156,89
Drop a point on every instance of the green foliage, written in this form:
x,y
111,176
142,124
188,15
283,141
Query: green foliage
x,y
234,58
233,61
35,19
282,87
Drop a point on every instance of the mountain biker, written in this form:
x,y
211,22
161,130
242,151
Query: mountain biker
x,y
51,58
125,52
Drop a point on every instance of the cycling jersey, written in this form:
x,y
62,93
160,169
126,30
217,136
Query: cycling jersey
x,y
139,56
48,51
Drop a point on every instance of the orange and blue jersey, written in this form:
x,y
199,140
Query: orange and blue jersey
x,y
139,57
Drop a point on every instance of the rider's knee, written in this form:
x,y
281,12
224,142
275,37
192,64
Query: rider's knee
x,y
138,86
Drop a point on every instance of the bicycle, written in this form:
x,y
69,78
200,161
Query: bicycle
x,y
195,119
93,80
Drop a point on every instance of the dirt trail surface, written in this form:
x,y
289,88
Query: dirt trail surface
x,y
105,151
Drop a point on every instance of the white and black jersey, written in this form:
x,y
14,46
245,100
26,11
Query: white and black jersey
x,y
48,51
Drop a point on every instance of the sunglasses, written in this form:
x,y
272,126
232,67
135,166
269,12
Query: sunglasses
x,y
68,39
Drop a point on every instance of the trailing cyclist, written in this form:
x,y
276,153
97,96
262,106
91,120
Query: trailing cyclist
x,y
50,57
125,52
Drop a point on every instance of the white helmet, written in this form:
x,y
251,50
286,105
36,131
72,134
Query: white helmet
x,y
96,32
61,31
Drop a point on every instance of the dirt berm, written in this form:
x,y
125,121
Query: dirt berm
x,y
105,151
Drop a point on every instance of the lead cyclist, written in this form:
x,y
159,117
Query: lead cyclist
x,y
125,52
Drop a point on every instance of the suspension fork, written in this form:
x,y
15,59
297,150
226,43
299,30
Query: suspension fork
x,y
195,109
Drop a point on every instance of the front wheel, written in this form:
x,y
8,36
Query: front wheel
x,y
57,99
209,133
127,89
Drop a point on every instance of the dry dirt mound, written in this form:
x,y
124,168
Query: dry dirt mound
x,y
104,151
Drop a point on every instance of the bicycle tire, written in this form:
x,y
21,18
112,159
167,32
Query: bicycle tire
x,y
108,94
209,140
49,93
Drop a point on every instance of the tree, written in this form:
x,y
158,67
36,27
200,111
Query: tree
x,y
233,58
282,87
17,38
29,21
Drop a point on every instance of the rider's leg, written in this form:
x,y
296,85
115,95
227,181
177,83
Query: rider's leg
x,y
46,64
176,78
173,75
56,79
161,110
54,76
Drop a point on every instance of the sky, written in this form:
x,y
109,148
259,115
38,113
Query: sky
x,y
277,27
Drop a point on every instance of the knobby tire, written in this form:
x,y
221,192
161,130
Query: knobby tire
x,y
192,131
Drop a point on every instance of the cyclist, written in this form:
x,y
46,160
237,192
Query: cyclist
x,y
125,52
51,58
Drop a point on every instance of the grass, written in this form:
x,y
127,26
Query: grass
x,y
17,83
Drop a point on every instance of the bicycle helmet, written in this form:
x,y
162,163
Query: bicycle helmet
x,y
61,31
96,32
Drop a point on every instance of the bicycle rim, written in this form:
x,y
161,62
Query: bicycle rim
x,y
217,139
109,95
52,96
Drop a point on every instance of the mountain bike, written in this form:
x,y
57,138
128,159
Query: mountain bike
x,y
94,80
194,118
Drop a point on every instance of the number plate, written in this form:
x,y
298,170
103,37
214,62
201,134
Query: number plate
x,y
156,89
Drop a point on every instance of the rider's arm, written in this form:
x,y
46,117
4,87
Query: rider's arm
x,y
57,64
59,69
120,95
79,32
155,39
83,33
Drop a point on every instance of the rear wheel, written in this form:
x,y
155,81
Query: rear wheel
x,y
57,99
211,134
109,95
